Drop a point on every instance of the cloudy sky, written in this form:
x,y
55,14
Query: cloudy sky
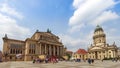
x,y
73,21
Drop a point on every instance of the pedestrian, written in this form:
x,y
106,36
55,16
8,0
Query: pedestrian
x,y
54,61
102,60
57,60
34,60
46,60
92,60
89,61
116,59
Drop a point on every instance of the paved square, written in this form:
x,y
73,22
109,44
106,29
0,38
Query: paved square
x,y
63,64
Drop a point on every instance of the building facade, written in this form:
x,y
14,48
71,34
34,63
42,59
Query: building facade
x,y
80,54
69,53
118,53
41,43
100,49
0,56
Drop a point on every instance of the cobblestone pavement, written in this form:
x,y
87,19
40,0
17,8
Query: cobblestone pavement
x,y
63,64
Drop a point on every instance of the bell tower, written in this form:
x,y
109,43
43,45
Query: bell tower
x,y
99,37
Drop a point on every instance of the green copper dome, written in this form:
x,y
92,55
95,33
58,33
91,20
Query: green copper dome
x,y
98,28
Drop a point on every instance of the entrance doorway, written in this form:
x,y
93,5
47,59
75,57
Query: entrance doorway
x,y
96,55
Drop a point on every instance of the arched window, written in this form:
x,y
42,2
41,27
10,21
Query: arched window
x,y
11,51
34,51
21,51
16,51
80,56
10,57
30,51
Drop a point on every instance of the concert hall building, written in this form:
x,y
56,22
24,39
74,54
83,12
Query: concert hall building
x,y
41,43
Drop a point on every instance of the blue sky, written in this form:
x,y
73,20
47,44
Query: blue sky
x,y
73,21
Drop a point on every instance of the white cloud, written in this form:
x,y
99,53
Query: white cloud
x,y
9,26
76,43
5,8
77,3
104,17
89,10
76,28
112,35
111,39
67,40
70,43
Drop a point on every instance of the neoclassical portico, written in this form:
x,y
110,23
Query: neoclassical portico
x,y
49,49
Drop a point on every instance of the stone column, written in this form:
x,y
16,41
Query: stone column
x,y
57,50
45,50
107,54
61,51
40,49
36,49
26,51
49,49
54,50
15,51
113,54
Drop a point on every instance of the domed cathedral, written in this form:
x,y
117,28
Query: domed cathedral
x,y
100,49
99,37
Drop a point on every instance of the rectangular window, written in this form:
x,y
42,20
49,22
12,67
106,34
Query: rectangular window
x,y
109,56
15,48
10,57
32,48
80,56
104,56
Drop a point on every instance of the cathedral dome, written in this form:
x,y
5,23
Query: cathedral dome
x,y
98,28
99,36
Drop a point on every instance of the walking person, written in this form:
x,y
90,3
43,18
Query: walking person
x,y
34,60
92,60
89,61
102,60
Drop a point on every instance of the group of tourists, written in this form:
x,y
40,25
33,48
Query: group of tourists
x,y
78,60
90,61
37,60
51,59
114,60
